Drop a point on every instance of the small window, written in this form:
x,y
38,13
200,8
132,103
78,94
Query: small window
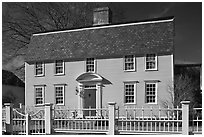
x,y
129,63
59,67
39,69
151,92
151,62
130,93
90,65
59,94
39,95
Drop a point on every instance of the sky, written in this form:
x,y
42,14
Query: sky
x,y
188,26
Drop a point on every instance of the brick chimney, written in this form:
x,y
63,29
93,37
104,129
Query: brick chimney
x,y
101,16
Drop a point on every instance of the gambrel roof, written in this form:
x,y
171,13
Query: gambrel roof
x,y
152,36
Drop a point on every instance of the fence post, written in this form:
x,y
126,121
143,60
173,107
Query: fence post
x,y
28,121
9,118
111,108
185,117
48,118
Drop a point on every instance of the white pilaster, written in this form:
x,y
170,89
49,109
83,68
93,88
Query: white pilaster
x,y
80,100
185,117
111,108
99,97
48,118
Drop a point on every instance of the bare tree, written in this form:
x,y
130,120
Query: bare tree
x,y
21,20
182,89
24,19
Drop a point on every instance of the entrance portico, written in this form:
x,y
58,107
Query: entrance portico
x,y
90,88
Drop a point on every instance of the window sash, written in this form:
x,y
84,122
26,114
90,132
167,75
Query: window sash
x,y
90,65
130,93
59,94
151,62
59,67
39,95
39,69
151,93
129,63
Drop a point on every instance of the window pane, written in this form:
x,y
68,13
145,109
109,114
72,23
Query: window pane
x,y
39,101
39,68
150,92
129,92
59,67
151,61
59,94
39,95
129,62
59,63
39,65
90,65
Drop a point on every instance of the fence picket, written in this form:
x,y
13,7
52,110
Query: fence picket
x,y
128,120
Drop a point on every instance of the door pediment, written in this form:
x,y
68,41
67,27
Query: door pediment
x,y
92,77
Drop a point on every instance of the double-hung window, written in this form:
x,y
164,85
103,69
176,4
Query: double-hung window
x,y
129,63
59,67
39,95
90,65
151,62
39,69
130,92
59,94
151,92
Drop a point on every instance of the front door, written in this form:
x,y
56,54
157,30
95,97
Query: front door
x,y
90,101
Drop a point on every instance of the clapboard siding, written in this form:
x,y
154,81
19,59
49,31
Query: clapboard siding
x,y
111,69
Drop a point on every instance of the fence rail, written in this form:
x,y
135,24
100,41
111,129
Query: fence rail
x,y
149,120
37,122
37,126
109,120
81,120
19,122
3,119
196,121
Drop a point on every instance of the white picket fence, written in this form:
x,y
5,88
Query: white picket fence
x,y
110,120
16,122
19,122
37,122
3,119
196,121
81,120
150,120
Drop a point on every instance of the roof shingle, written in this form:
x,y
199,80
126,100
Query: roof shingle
x,y
101,42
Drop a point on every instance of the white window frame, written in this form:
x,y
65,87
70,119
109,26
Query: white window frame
x,y
135,92
43,94
134,61
94,65
63,92
156,88
63,67
156,62
43,69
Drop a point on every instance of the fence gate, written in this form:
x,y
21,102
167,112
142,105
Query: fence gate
x,y
19,122
16,122
37,122
131,120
